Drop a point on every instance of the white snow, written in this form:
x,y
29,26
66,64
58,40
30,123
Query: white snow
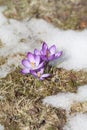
x,y
77,122
65,100
11,33
1,127
73,44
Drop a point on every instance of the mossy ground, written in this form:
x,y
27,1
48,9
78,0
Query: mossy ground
x,y
21,106
79,107
3,60
69,14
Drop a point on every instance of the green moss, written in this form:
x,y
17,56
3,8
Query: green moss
x,y
51,128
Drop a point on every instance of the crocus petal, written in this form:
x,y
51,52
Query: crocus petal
x,y
52,49
37,60
51,57
57,55
41,71
36,52
31,57
41,78
42,53
40,65
44,49
26,63
44,46
43,57
34,73
45,75
25,71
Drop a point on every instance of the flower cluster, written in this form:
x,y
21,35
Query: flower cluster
x,y
36,62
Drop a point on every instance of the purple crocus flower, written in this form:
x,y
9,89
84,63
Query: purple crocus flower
x,y
37,52
48,54
40,74
31,63
36,63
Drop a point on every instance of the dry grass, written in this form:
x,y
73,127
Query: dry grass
x,y
1,44
79,107
32,114
3,60
21,106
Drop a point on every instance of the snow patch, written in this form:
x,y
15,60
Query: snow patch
x,y
62,100
73,43
77,122
3,20
20,37
1,127
17,39
65,100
